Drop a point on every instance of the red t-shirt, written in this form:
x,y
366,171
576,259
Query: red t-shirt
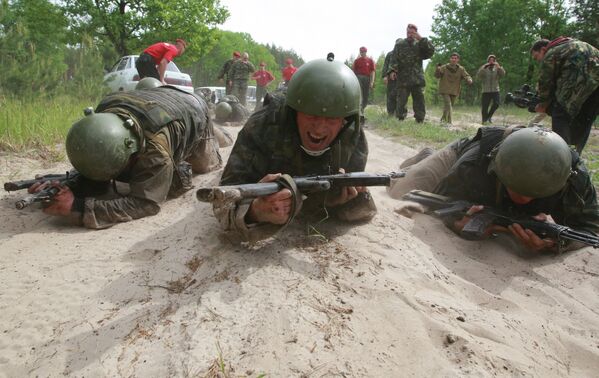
x,y
262,78
363,66
288,72
162,50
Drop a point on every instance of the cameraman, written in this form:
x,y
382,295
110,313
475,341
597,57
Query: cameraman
x,y
568,86
489,75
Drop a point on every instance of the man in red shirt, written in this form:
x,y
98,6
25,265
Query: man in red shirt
x,y
263,78
288,71
153,61
364,69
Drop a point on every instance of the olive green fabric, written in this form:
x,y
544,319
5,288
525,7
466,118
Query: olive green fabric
x,y
270,143
148,83
160,168
324,88
450,78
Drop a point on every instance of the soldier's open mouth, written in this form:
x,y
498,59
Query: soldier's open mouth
x,y
316,140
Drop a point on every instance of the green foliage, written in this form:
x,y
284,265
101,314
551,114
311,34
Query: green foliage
x,y
506,28
130,25
378,95
586,26
280,54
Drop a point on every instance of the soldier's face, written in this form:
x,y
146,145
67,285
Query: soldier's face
x,y
539,55
454,59
410,33
518,198
316,132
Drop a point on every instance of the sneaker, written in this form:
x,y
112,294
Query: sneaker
x,y
423,154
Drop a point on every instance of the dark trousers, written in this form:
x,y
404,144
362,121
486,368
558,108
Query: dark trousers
x,y
146,67
365,87
417,93
489,98
576,130
391,97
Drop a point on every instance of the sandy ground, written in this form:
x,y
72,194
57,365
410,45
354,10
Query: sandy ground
x,y
169,296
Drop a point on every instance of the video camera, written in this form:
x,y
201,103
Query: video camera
x,y
523,98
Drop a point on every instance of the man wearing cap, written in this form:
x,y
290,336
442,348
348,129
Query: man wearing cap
x,y
364,68
527,173
223,74
312,129
288,71
239,75
153,61
406,67
263,78
489,74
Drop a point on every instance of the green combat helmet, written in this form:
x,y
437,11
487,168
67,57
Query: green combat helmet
x,y
324,88
533,162
99,145
148,83
223,111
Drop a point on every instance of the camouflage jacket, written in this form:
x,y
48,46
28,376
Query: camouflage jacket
x,y
225,70
386,64
470,179
269,143
489,77
241,70
407,58
171,124
451,76
569,73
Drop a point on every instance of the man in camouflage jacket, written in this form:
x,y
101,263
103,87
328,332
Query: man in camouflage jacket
x,y
406,67
391,86
568,86
239,75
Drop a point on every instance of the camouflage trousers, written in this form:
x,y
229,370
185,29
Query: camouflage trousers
x,y
425,174
260,93
417,93
239,90
391,97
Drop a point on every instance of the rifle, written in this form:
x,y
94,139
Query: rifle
x,y
523,98
44,195
305,184
445,207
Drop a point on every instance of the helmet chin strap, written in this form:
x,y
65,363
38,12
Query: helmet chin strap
x,y
314,153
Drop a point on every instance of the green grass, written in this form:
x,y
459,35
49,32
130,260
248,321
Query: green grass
x,y
42,123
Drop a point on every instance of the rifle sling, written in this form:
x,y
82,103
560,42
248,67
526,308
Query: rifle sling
x,y
286,181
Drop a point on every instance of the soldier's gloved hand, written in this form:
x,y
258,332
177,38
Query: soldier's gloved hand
x,y
347,194
274,208
529,239
61,203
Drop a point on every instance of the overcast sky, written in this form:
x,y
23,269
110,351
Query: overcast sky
x,y
314,27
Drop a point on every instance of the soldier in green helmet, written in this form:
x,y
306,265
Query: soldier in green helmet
x,y
151,139
522,171
313,128
229,109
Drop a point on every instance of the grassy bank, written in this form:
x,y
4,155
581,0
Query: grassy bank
x,y
466,121
43,123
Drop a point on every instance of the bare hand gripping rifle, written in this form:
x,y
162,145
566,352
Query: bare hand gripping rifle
x,y
445,207
44,195
304,184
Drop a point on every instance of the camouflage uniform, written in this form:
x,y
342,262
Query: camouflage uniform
x,y
239,74
451,76
462,172
391,86
176,137
269,143
406,62
225,74
569,82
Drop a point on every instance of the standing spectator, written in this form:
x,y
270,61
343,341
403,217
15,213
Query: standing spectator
x,y
406,67
153,61
391,86
239,75
568,86
489,74
288,71
224,72
263,78
450,77
364,69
